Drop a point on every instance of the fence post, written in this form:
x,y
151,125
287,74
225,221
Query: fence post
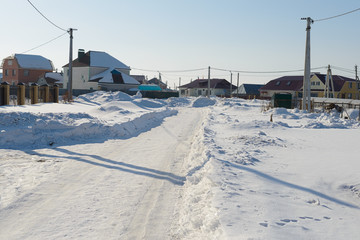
x,y
4,93
21,94
34,93
56,93
45,93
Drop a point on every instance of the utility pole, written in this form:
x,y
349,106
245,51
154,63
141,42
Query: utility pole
x,y
356,73
208,92
306,104
329,80
230,84
237,90
357,84
70,31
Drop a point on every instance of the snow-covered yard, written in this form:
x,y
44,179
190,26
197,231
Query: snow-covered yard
x,y
111,166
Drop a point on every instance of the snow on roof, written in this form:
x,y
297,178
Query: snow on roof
x,y
54,75
33,62
102,59
107,77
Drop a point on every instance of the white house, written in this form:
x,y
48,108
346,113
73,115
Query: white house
x,y
94,68
199,87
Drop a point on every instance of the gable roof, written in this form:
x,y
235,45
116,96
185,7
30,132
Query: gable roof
x,y
214,83
28,61
98,59
295,83
339,81
286,83
251,88
156,81
107,76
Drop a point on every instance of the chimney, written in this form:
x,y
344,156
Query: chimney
x,y
81,53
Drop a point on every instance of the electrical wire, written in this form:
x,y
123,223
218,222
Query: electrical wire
x,y
169,71
46,17
45,43
264,72
340,15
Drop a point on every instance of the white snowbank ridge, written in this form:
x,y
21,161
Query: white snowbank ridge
x,y
108,116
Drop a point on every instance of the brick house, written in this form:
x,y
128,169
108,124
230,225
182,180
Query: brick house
x,y
25,68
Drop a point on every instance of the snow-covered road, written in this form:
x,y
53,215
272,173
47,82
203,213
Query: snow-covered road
x,y
121,189
112,166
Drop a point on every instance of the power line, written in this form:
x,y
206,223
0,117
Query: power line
x,y
340,15
45,43
264,72
46,17
169,71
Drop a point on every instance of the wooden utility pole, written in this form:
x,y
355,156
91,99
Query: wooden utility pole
x,y
306,103
70,31
230,84
328,81
208,92
237,89
357,85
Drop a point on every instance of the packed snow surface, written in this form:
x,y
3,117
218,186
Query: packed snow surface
x,y
112,166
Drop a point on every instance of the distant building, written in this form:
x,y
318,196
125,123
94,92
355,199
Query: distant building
x,y
248,90
343,87
99,70
25,68
199,87
158,82
140,78
51,78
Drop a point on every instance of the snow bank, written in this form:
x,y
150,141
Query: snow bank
x,y
108,116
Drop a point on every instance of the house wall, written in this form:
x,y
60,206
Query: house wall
x,y
196,92
80,78
349,90
82,75
270,93
8,71
32,75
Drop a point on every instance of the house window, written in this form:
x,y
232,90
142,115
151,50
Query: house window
x,y
312,83
199,92
6,72
277,83
349,96
350,84
288,83
317,83
26,73
14,72
10,62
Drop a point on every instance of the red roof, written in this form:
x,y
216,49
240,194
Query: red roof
x,y
290,83
214,83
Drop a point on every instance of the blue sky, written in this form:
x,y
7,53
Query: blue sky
x,y
163,35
